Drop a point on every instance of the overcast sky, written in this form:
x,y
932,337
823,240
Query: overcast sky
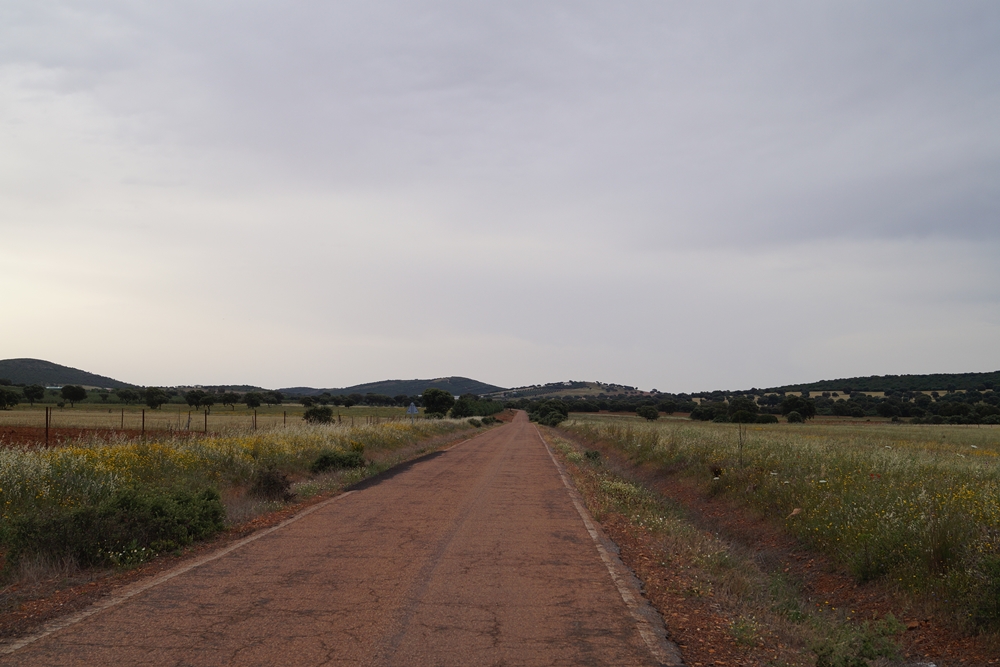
x,y
681,196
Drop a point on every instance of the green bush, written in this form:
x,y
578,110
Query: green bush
x,y
488,420
271,484
318,415
335,459
549,413
126,529
647,412
476,423
986,605
766,419
552,419
794,418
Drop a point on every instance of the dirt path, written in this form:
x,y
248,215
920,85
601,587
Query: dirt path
x,y
478,555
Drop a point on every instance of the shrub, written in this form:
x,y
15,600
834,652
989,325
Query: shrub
x,y
592,455
335,459
476,423
766,419
794,418
271,484
552,419
318,415
986,606
647,412
126,529
702,414
549,413
488,420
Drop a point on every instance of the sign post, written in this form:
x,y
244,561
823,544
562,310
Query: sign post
x,y
412,410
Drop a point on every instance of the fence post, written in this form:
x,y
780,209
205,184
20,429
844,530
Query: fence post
x,y
206,422
143,432
47,426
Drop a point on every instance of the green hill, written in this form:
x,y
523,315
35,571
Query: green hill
x,y
454,385
931,382
48,374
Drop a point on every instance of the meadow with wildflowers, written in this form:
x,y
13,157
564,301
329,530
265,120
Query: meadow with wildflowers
x,y
46,485
916,505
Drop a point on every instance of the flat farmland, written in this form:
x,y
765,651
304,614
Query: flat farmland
x,y
25,424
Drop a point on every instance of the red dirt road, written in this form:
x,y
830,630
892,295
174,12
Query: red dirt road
x,y
479,555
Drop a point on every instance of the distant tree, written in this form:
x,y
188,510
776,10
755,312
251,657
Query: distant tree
x,y
794,417
805,407
253,399
207,401
273,398
437,401
155,397
9,398
739,404
104,396
347,401
127,396
195,397
647,412
668,407
230,398
73,394
307,401
34,392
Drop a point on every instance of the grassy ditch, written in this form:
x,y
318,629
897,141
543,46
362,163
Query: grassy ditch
x,y
120,503
719,604
915,506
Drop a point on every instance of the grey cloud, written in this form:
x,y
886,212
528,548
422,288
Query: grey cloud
x,y
707,123
657,184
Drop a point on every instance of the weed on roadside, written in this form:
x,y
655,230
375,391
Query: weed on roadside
x,y
760,616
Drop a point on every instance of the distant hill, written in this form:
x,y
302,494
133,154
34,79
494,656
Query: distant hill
x,y
454,385
931,382
575,388
48,374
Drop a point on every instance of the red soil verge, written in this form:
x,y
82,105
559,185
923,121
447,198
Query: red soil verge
x,y
703,632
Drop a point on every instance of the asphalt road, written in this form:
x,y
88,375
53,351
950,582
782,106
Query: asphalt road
x,y
479,555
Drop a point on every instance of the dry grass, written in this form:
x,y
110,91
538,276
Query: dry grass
x,y
173,417
718,597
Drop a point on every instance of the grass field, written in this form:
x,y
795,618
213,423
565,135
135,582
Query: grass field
x,y
181,418
51,498
918,506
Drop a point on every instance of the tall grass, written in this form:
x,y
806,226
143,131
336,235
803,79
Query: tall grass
x,y
34,481
918,505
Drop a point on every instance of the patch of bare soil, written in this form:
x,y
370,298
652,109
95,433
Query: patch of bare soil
x,y
703,629
506,416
